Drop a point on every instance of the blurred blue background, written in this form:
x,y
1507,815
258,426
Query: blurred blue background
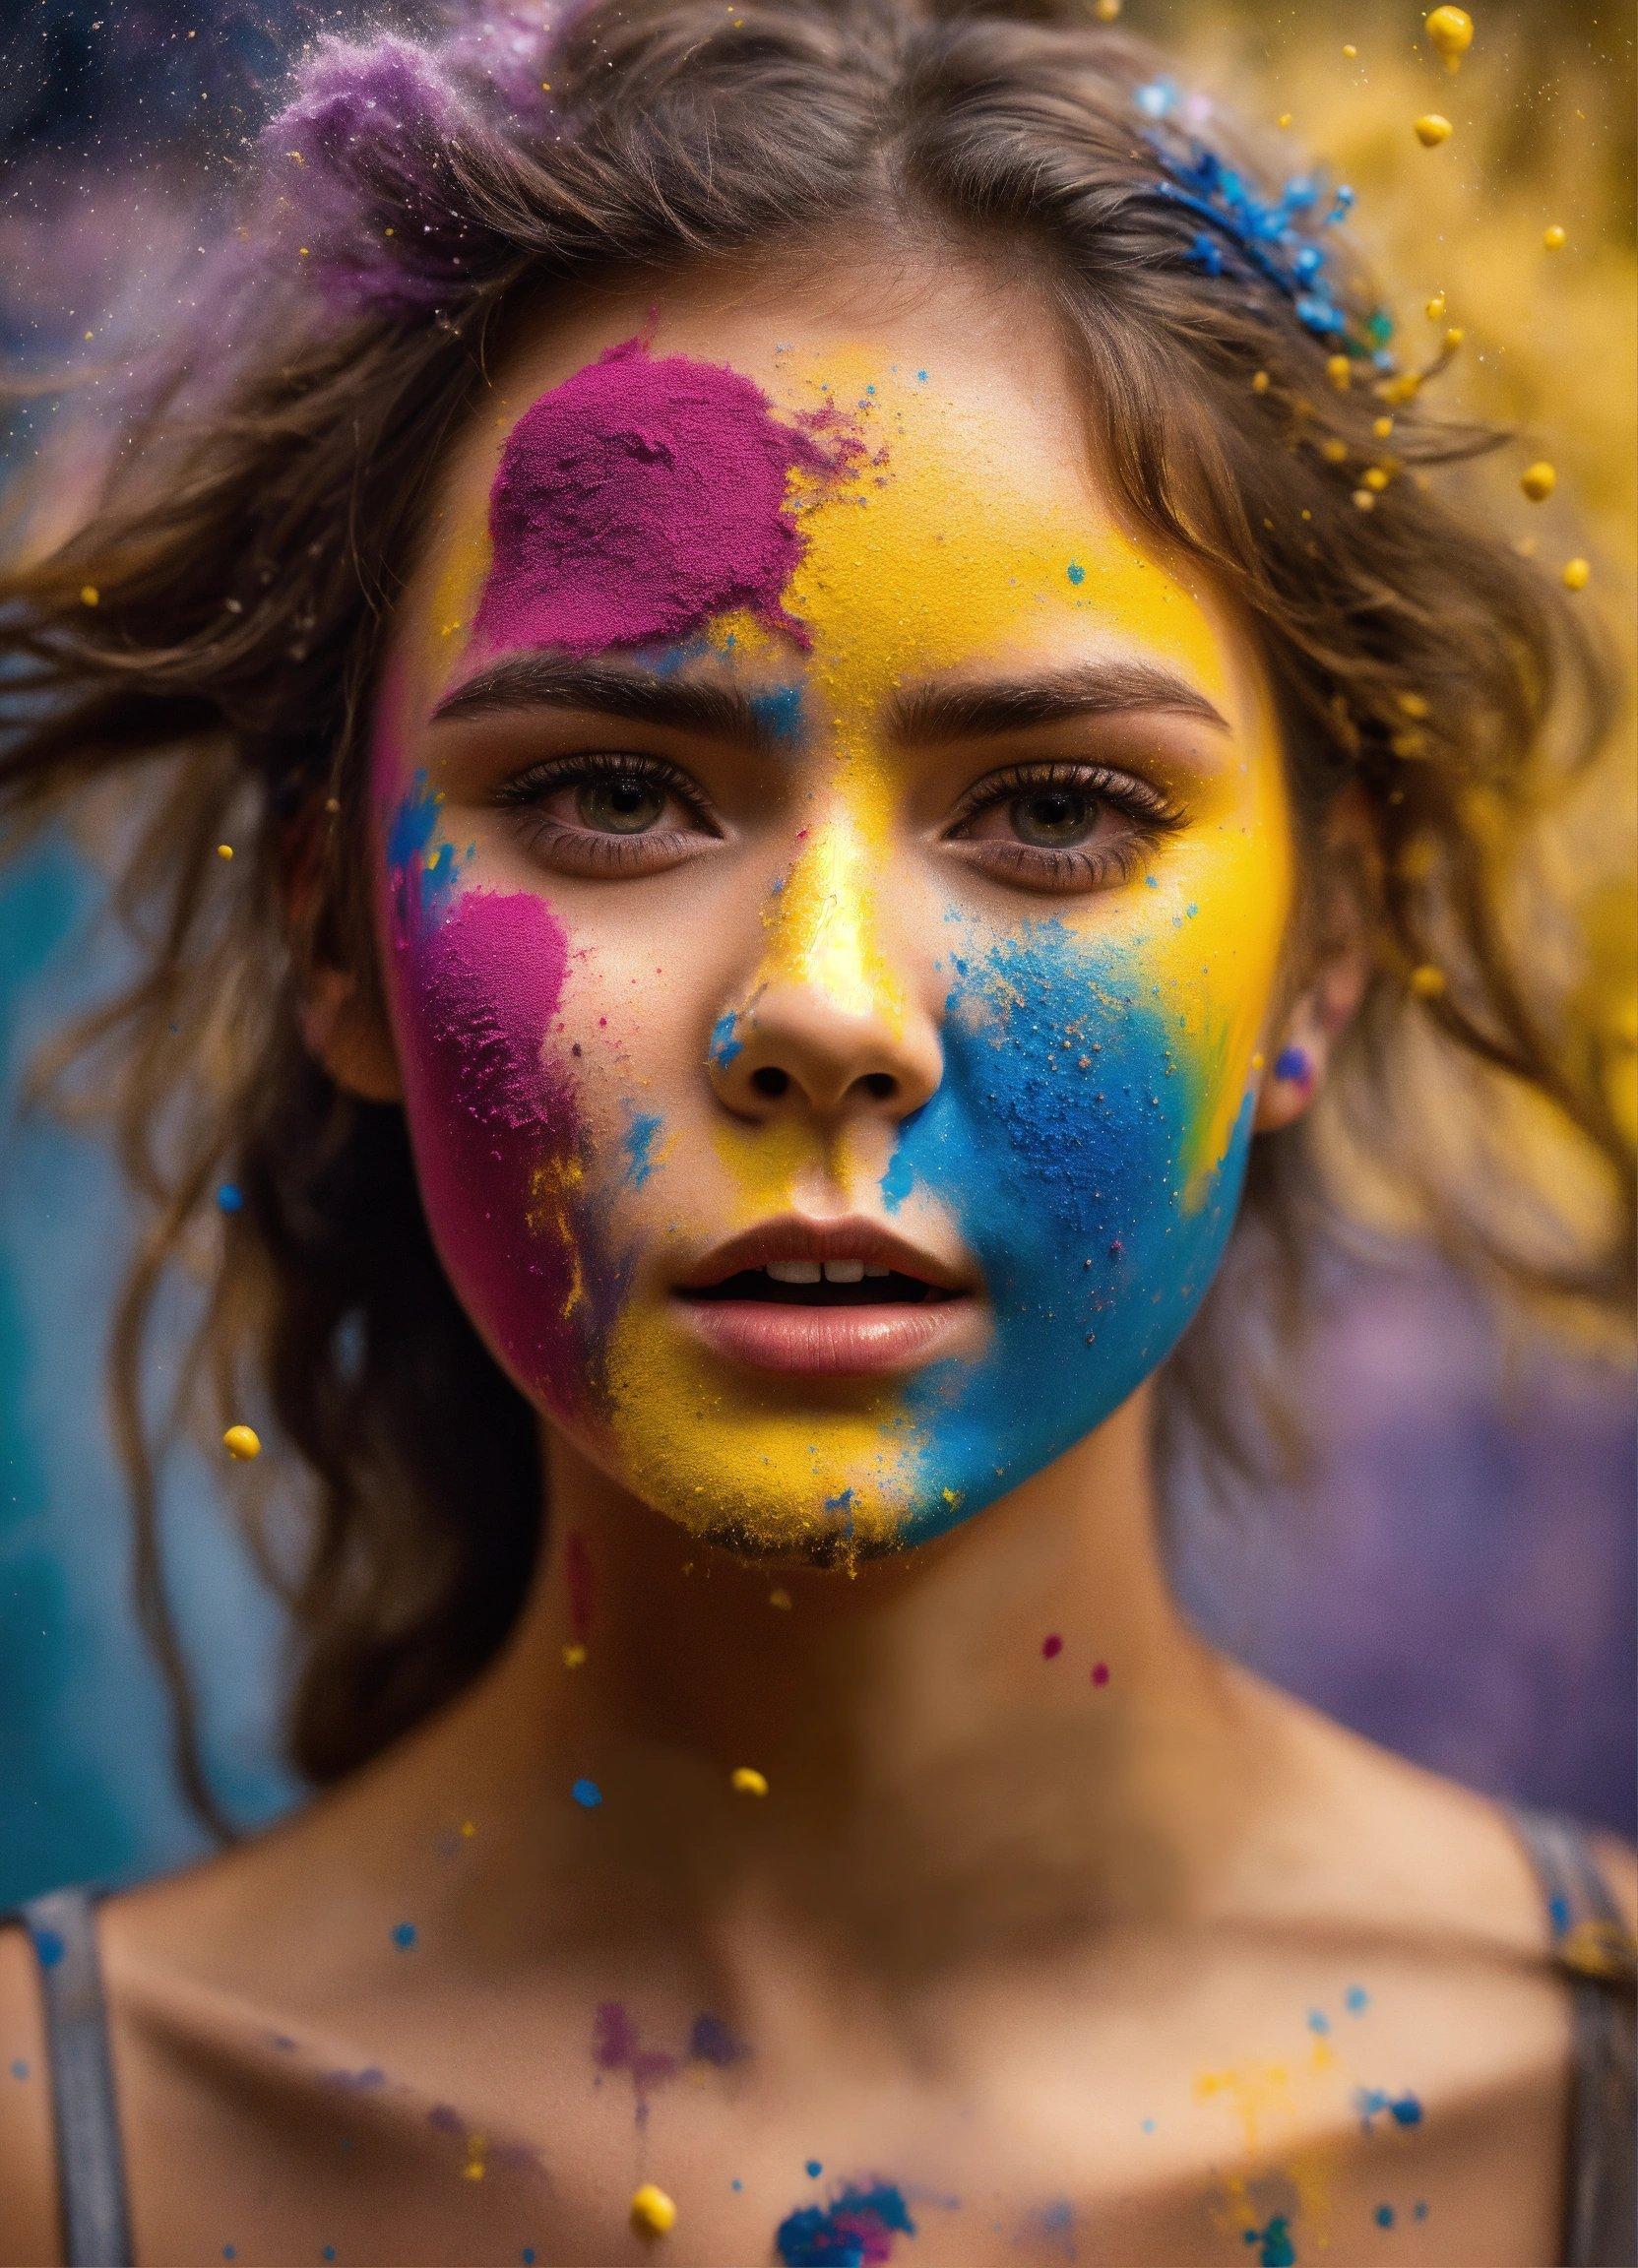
x,y
1457,1582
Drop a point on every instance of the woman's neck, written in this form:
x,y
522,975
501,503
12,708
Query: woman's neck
x,y
1007,1729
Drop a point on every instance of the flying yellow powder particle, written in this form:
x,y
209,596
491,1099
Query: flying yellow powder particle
x,y
1552,240
747,1781
89,594
1106,11
1450,33
1340,371
1436,308
225,851
574,1654
1430,129
1539,480
1427,982
1578,573
651,2211
242,1442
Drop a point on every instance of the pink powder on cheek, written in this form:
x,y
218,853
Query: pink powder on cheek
x,y
640,499
496,1132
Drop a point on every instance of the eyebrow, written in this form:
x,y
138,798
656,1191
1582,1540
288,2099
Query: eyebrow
x,y
1060,697
922,714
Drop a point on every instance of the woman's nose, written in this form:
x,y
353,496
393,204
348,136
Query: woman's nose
x,y
831,1022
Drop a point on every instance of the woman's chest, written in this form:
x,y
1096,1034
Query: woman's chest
x,y
1427,2129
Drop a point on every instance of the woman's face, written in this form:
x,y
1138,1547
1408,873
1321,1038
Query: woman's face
x,y
831,887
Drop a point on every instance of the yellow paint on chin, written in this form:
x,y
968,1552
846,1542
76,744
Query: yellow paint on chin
x,y
747,1468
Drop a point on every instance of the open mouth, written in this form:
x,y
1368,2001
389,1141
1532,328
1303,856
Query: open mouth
x,y
826,1299
825,1283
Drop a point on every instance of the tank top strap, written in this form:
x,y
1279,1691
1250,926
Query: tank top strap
x,y
91,2203
1594,1951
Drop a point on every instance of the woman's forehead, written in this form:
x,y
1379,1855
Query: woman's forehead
x,y
907,495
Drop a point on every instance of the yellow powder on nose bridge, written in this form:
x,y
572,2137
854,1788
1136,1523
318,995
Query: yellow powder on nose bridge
x,y
825,924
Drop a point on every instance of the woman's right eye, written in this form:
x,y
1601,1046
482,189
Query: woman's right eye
x,y
609,813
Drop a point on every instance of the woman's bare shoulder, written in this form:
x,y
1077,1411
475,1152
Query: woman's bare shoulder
x,y
27,2170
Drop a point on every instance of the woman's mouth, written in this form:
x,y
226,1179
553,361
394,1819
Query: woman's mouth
x,y
826,1299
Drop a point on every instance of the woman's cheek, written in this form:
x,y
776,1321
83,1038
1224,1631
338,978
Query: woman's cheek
x,y
496,1123
1070,1139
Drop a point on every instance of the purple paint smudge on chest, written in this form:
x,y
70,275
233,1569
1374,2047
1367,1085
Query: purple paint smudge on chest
x,y
640,499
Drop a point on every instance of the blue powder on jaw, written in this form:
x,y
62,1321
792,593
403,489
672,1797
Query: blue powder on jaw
x,y
1060,1141
855,2230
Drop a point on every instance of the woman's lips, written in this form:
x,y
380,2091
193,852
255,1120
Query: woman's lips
x,y
827,1342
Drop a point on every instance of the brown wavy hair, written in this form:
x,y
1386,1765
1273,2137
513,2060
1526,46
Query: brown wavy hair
x,y
195,662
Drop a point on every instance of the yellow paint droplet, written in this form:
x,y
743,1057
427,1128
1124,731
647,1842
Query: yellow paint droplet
x,y
242,1442
780,1599
1552,240
747,1781
1364,499
1375,477
574,1654
1260,382
1382,427
1436,308
1538,482
651,2211
1340,371
1450,32
90,595
1454,338
1427,982
1432,128
1349,50
1578,573
225,850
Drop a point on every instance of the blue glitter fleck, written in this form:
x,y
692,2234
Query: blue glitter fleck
x,y
404,1934
231,1198
587,1794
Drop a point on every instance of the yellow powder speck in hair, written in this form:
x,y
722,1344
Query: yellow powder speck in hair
x,y
1538,482
225,850
780,1599
1382,427
1333,450
89,595
242,1442
574,1654
745,1780
1364,499
1106,11
1260,382
1414,704
1427,982
652,2214
1578,573
1340,371
1375,477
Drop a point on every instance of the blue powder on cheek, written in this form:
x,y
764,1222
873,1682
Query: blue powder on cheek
x,y
639,1141
421,887
1057,1139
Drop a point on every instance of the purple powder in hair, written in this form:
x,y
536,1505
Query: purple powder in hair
x,y
639,500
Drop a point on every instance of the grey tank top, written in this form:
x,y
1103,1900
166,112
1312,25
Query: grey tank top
x,y
1588,1946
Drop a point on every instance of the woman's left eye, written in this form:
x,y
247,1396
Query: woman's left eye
x,y
609,813
1062,826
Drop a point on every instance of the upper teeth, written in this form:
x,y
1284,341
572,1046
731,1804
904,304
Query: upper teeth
x,y
822,1271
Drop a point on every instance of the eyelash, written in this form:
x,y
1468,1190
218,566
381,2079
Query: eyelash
x,y
1152,817
610,854
1150,814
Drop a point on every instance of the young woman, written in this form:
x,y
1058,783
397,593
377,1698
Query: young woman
x,y
849,713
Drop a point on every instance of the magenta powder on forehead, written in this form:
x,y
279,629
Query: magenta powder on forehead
x,y
637,500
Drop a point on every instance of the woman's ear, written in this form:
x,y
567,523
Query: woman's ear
x,y
1335,970
344,1021
345,1030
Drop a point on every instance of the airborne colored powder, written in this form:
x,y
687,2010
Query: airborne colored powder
x,y
855,2232
641,499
